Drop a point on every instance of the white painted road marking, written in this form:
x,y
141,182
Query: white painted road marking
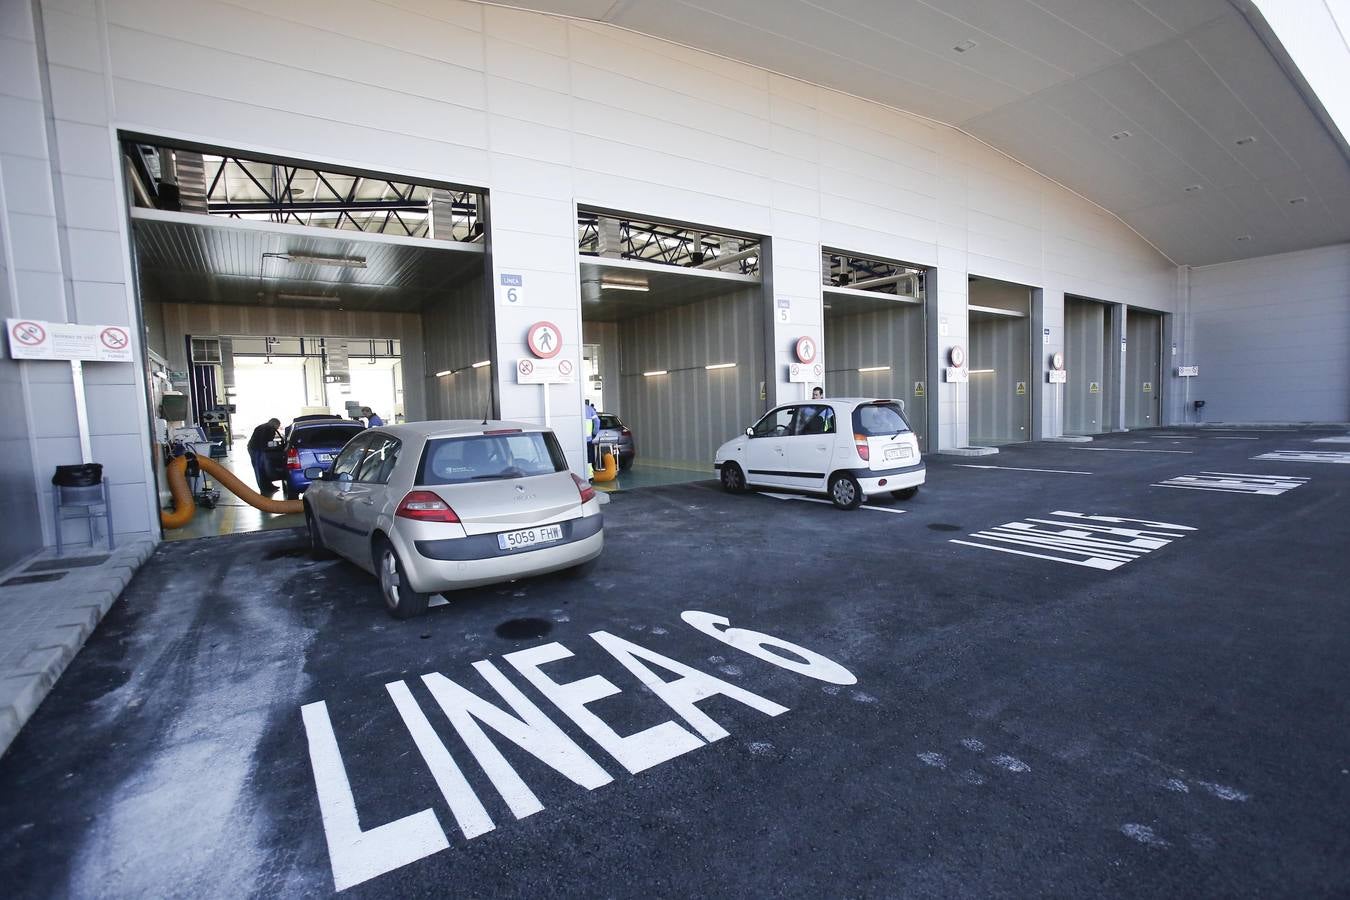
x,y
1020,469
1343,439
1128,450
1313,456
885,509
357,856
1100,546
1234,483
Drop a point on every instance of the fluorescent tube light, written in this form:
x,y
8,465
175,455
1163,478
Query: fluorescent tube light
x,y
721,366
981,372
651,374
345,262
309,298
479,365
443,374
623,286
875,369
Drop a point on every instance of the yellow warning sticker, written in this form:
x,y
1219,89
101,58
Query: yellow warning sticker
x,y
918,389
1094,388
1021,387
1148,387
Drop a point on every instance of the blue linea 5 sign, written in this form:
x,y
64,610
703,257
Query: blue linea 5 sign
x,y
361,851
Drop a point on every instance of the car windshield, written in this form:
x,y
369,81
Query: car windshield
x,y
610,421
324,435
881,418
490,456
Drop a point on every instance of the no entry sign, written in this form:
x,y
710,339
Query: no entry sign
x,y
544,340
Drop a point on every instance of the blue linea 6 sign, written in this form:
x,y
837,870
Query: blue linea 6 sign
x,y
38,339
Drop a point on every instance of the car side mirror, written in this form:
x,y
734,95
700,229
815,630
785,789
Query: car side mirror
x,y
315,473
750,432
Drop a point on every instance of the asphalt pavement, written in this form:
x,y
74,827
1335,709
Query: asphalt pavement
x,y
1053,677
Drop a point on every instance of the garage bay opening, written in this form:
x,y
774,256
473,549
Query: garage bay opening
x,y
1000,362
1090,383
1143,368
327,299
874,332
674,360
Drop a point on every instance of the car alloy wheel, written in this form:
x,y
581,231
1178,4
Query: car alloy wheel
x,y
846,492
399,597
732,479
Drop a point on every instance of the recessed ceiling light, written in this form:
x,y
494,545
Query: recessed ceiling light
x,y
1192,188
964,46
1244,237
1120,135
1297,200
1244,141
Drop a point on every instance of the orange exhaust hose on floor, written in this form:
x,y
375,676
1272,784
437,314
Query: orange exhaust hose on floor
x,y
183,507
227,479
609,469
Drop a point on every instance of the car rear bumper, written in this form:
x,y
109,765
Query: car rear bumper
x,y
455,563
875,481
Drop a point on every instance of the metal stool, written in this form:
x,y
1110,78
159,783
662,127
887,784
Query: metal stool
x,y
95,501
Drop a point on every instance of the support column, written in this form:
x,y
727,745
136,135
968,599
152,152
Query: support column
x,y
948,326
1114,407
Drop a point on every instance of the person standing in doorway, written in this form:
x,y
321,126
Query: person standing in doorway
x,y
817,393
592,433
372,420
257,454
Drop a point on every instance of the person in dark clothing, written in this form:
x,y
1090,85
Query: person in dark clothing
x,y
257,453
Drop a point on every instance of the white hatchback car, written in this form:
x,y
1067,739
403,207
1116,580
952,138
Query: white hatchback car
x,y
847,448
434,506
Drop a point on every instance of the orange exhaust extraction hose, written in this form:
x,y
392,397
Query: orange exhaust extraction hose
x,y
183,507
609,469
228,480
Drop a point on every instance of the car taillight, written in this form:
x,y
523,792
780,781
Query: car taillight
x,y
860,441
585,490
293,458
424,506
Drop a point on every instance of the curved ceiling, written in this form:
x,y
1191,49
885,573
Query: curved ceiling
x,y
1186,118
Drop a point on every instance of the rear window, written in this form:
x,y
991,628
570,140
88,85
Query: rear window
x,y
610,421
879,418
324,435
490,456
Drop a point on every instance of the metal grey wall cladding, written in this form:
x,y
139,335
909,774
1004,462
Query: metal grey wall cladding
x,y
999,414
683,416
1085,345
457,334
892,336
1143,355
18,497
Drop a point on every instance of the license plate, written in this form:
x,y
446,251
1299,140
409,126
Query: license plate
x,y
325,457
897,453
529,537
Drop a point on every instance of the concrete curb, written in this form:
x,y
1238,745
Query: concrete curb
x,y
969,451
1069,439
70,610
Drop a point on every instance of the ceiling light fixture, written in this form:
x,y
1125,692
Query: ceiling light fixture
x,y
721,366
309,298
1120,135
479,365
1295,201
980,372
1192,188
1244,141
624,286
875,369
964,46
1244,237
309,259
654,374
444,373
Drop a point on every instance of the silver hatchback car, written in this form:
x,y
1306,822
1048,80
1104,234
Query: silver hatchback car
x,y
429,507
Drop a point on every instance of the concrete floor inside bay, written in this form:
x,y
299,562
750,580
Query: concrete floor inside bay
x,y
1169,718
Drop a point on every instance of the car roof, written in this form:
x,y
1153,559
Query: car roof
x,y
843,401
455,428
